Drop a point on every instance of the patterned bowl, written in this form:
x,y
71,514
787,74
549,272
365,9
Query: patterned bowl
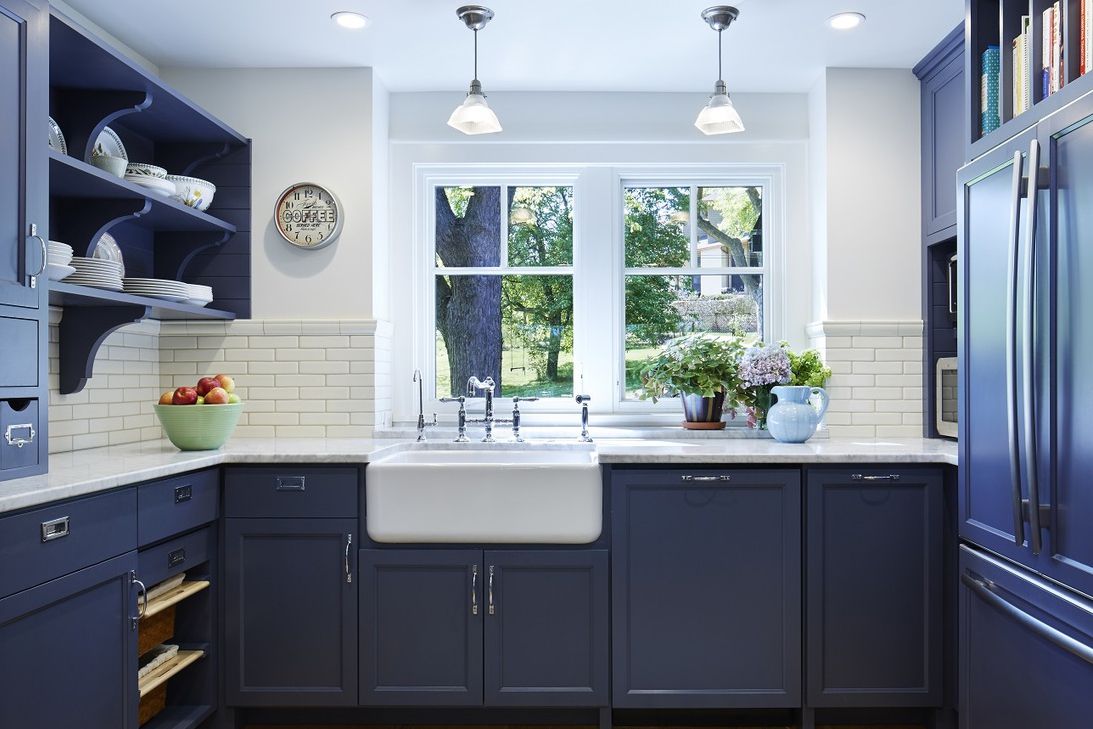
x,y
142,169
193,191
198,427
107,163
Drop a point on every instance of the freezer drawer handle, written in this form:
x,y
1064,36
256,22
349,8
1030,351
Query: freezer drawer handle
x,y
982,588
22,439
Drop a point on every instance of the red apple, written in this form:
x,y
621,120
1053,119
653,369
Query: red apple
x,y
205,384
184,396
227,382
217,396
167,398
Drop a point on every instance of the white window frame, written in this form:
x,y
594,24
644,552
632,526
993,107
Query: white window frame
x,y
598,269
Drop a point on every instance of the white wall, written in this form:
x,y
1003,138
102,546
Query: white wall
x,y
312,125
866,152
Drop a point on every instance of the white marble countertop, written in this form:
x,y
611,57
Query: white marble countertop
x,y
100,469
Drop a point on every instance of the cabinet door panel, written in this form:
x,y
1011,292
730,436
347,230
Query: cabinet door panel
x,y
943,111
421,636
546,634
874,575
291,614
68,654
23,147
706,589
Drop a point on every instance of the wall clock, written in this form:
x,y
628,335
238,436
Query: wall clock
x,y
309,216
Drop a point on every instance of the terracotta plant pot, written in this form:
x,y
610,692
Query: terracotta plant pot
x,y
703,413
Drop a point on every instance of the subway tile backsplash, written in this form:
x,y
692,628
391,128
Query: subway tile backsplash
x,y
297,378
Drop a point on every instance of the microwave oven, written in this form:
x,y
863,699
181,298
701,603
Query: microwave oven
x,y
945,397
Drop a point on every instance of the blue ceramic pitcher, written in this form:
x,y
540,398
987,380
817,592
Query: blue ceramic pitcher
x,y
793,419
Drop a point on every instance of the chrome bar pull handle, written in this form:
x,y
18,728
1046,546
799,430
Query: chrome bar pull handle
x,y
348,544
867,477
1028,360
474,589
1013,259
143,605
45,255
491,605
689,478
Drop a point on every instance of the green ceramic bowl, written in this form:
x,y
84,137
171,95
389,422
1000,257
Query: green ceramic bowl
x,y
199,427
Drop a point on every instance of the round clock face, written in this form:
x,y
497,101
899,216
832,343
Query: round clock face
x,y
308,216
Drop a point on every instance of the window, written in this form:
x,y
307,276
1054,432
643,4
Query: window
x,y
503,277
693,263
568,281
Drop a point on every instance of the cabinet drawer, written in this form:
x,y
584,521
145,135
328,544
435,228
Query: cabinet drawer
x,y
175,555
19,433
40,545
19,365
176,505
271,492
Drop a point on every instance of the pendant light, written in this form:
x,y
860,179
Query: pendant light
x,y
719,116
474,115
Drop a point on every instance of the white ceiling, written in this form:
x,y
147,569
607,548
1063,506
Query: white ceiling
x,y
573,45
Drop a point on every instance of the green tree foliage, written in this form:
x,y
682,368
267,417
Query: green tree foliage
x,y
655,236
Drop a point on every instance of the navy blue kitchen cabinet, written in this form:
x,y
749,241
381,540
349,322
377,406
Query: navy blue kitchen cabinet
x,y
68,650
874,587
24,230
290,618
706,588
421,627
546,628
24,187
943,133
459,627
1026,653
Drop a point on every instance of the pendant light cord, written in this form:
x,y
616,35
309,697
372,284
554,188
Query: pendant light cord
x,y
476,54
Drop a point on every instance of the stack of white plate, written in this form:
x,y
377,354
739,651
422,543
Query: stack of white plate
x,y
57,261
96,272
157,288
199,295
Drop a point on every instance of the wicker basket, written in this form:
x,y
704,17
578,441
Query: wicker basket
x,y
151,704
159,628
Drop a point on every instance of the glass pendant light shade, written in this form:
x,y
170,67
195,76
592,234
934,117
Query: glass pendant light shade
x,y
474,115
719,116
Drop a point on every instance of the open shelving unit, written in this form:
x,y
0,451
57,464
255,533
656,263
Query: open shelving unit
x,y
93,86
997,23
163,673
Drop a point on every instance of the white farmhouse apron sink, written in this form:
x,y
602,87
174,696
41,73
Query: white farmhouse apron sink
x,y
485,495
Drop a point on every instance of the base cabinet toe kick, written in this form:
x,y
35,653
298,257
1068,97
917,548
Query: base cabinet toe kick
x,y
789,590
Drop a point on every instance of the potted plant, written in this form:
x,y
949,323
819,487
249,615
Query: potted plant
x,y
702,371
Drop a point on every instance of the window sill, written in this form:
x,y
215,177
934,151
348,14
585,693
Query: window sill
x,y
652,431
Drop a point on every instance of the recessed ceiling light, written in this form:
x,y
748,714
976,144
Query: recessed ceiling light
x,y
349,19
846,21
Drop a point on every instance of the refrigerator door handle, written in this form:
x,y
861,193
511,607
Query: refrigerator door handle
x,y
982,588
1028,361
1011,349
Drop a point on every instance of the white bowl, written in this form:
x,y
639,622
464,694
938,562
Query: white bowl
x,y
143,169
193,191
113,165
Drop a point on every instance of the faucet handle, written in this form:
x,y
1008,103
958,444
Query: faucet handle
x,y
516,400
460,399
582,399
